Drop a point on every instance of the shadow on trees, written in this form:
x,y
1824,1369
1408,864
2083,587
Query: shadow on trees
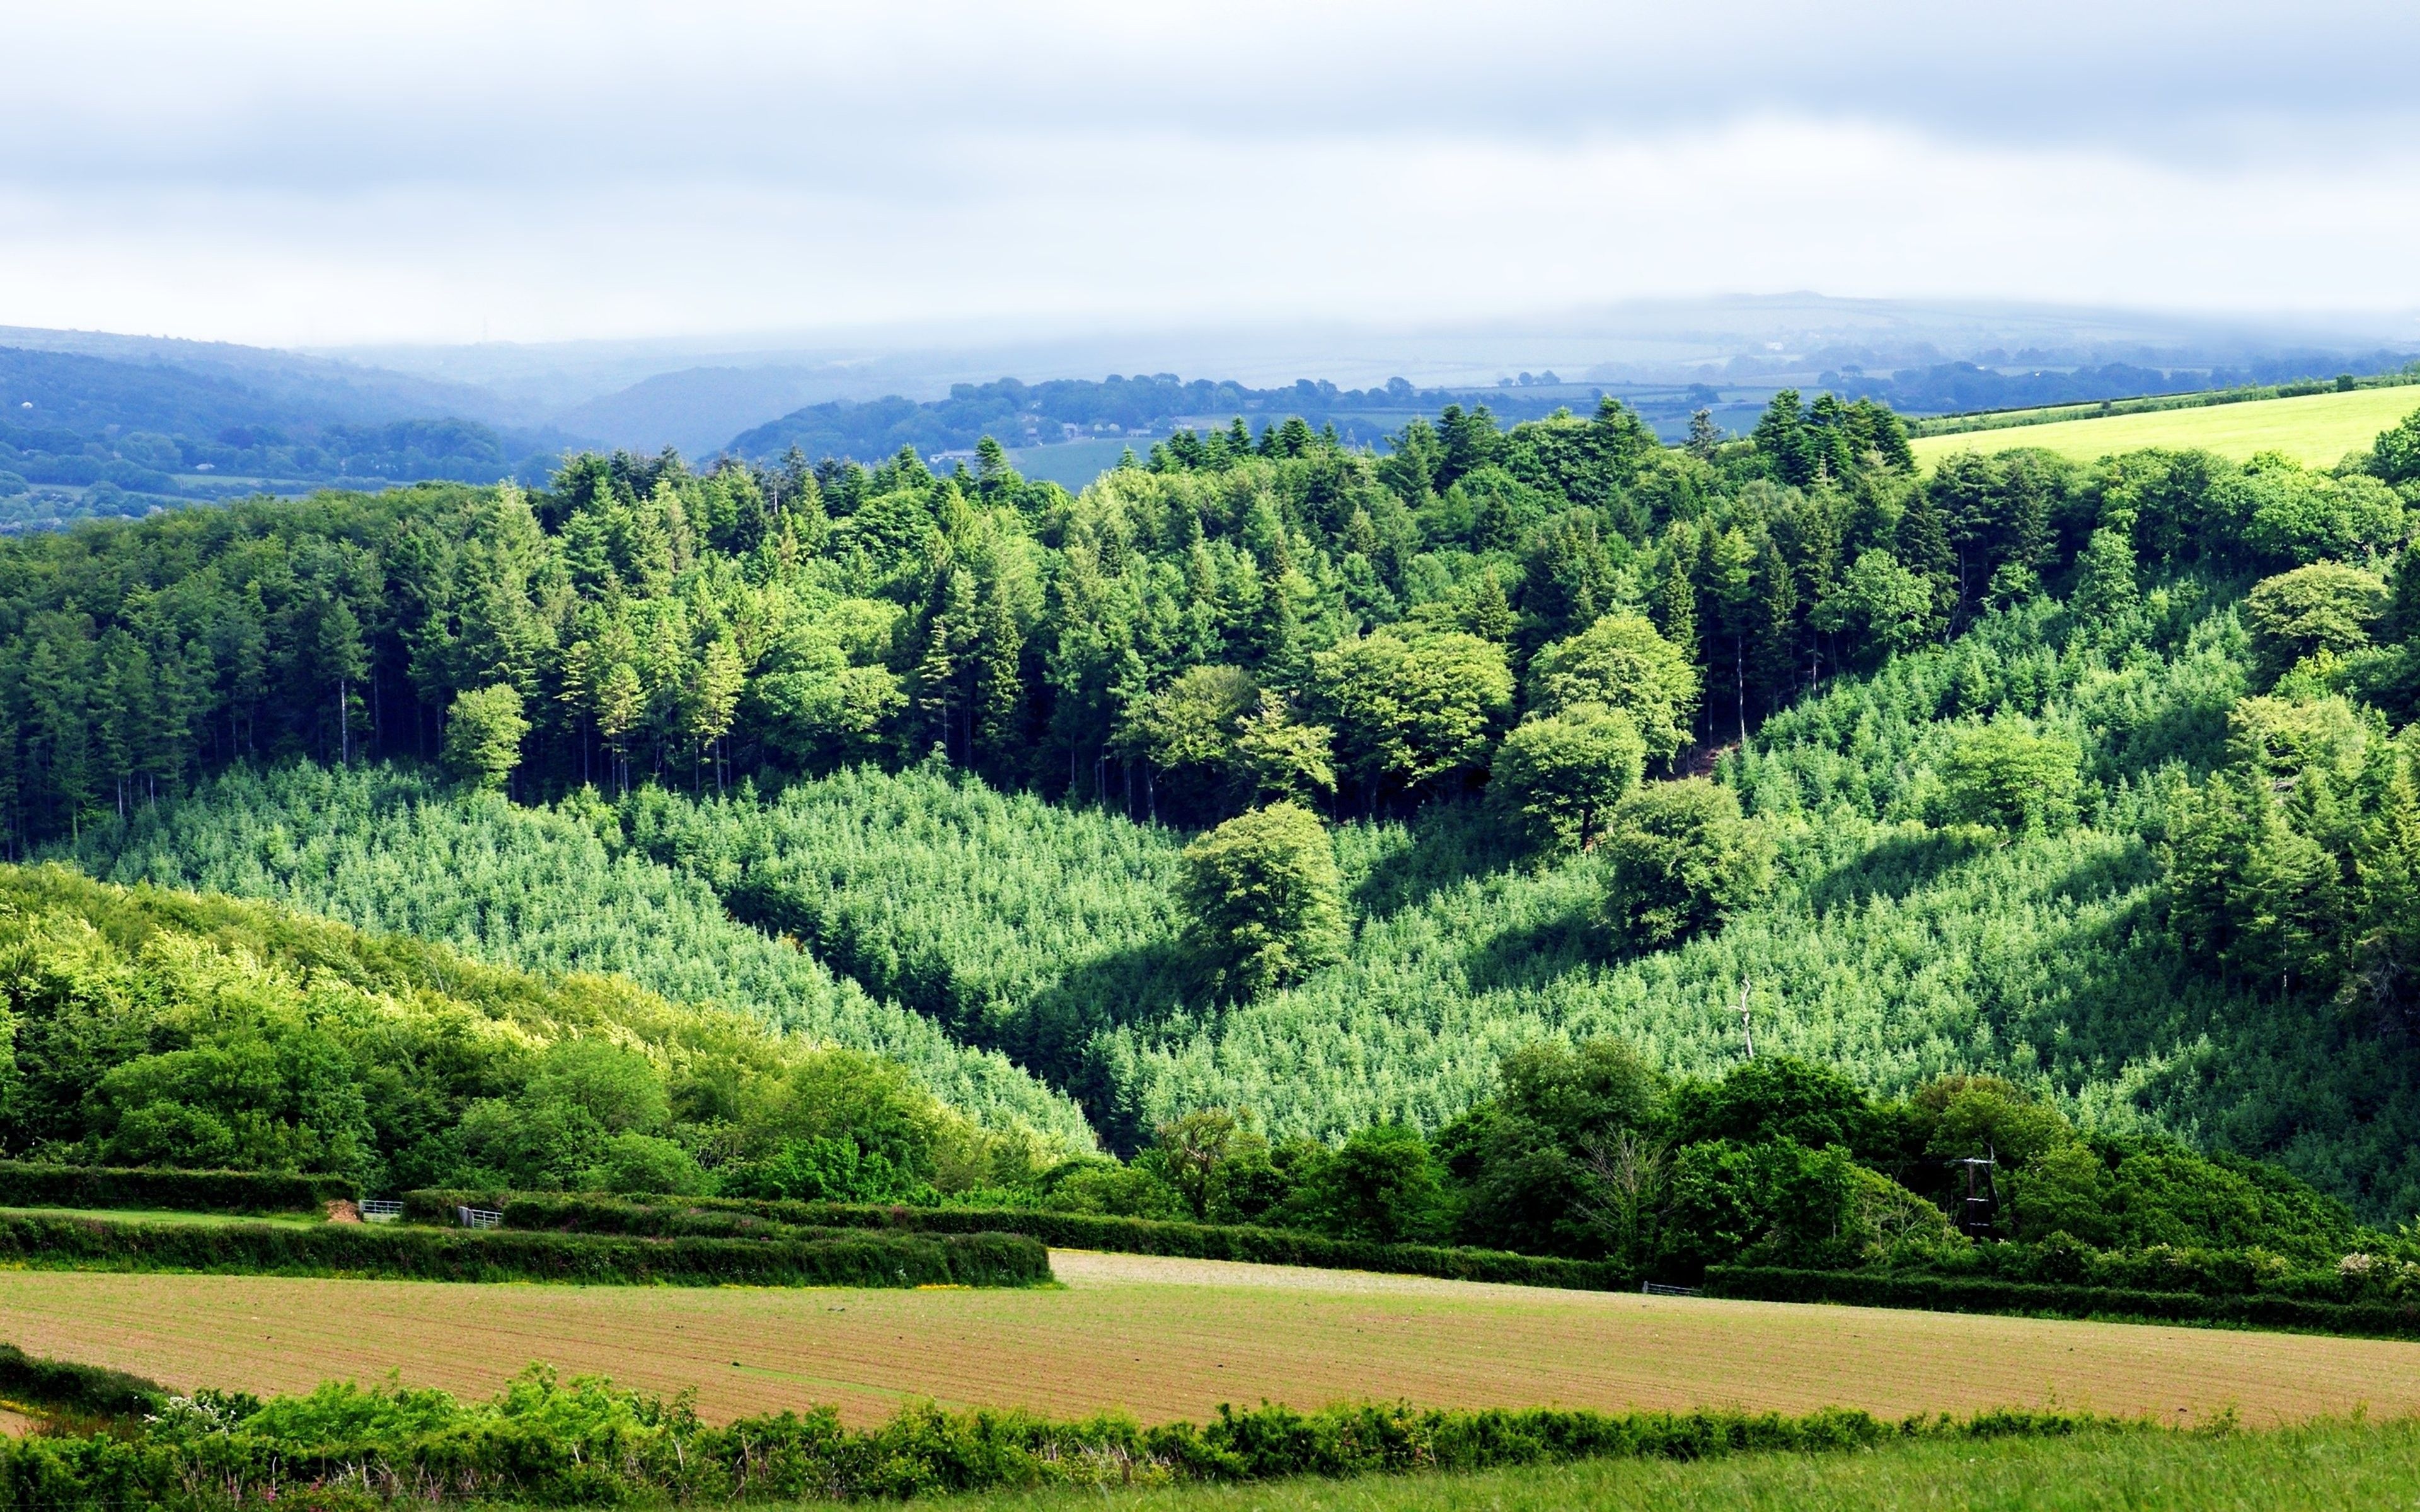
x,y
1533,954
1896,866
1443,845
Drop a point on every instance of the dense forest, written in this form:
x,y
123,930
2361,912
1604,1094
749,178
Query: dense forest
x,y
157,1029
1304,783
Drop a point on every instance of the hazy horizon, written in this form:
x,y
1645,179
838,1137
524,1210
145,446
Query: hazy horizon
x,y
304,177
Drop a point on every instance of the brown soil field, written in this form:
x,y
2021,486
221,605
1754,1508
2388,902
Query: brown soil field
x,y
1164,1338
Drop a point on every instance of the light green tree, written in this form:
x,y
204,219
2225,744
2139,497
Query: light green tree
x,y
1263,898
2010,780
2324,607
1685,859
1560,776
1621,662
482,735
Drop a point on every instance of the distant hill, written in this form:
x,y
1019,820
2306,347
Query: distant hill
x,y
84,436
331,390
1063,409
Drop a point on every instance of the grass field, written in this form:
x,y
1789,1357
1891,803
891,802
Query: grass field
x,y
1166,1339
168,1215
2315,429
2325,1465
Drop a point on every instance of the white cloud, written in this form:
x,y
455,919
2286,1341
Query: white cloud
x,y
316,173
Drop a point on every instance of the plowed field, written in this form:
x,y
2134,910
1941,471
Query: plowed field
x,y
1172,1339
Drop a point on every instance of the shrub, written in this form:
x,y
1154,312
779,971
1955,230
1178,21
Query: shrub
x,y
547,1442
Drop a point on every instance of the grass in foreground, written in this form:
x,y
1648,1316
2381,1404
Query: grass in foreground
x,y
2316,429
2321,1465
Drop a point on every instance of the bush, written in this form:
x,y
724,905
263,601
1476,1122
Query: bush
x,y
82,1389
545,1443
402,1253
28,1184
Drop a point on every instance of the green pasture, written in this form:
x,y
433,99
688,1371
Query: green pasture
x,y
2321,1465
168,1216
2313,428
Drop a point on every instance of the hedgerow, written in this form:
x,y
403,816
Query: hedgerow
x,y
412,1253
584,1443
30,1184
1980,1294
1065,1230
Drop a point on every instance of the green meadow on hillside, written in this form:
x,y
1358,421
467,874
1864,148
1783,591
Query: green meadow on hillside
x,y
2315,429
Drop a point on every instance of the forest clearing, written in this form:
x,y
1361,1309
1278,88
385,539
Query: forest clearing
x,y
2315,429
1164,1339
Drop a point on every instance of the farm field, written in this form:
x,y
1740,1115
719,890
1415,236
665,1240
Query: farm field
x,y
2324,1465
1166,1339
2315,429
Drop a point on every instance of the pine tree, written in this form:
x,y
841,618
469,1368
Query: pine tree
x,y
1774,595
1922,546
940,695
1486,613
1705,437
999,684
2386,952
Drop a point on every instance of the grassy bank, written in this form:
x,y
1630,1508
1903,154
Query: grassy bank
x,y
2332,1465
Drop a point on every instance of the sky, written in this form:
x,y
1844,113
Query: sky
x,y
316,173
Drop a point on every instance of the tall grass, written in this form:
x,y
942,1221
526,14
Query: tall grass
x,y
2332,1465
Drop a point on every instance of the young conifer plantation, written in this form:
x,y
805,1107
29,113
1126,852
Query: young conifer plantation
x,y
1399,845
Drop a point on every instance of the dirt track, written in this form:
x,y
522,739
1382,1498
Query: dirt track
x,y
1168,1338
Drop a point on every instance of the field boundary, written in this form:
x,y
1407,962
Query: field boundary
x,y
1973,1294
1966,422
589,1444
31,1185
394,1252
1063,1230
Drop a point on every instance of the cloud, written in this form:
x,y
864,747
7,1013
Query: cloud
x,y
325,173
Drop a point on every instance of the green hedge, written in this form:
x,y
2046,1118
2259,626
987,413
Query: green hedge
x,y
550,1443
1065,1230
77,1388
1978,1294
26,1184
399,1251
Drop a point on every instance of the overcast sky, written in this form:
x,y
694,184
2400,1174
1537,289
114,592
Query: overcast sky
x,y
316,173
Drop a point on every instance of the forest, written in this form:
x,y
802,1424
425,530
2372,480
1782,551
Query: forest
x,y
131,435
1018,413
1315,789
